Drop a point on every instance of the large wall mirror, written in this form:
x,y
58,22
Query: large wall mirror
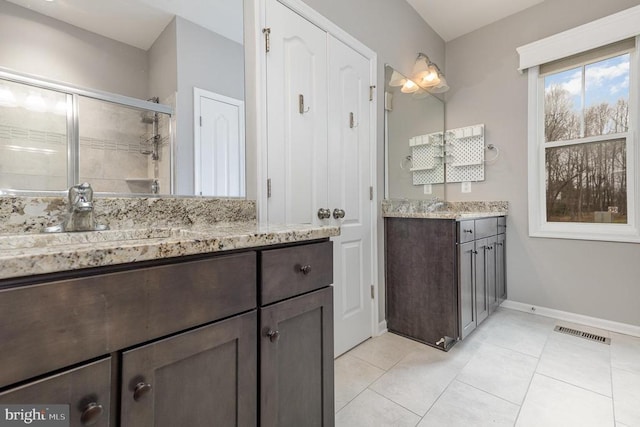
x,y
186,57
415,116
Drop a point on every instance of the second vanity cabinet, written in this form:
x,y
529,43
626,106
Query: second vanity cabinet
x,y
183,341
443,277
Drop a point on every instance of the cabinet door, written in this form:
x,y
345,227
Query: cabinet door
x,y
296,361
296,117
501,273
482,301
199,378
491,274
87,391
466,273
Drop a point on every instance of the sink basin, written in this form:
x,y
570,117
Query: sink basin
x,y
34,241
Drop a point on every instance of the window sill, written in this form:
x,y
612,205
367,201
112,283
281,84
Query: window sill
x,y
622,237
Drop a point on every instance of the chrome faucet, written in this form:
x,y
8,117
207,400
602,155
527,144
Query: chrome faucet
x,y
80,214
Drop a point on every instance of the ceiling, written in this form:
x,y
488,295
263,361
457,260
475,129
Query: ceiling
x,y
454,18
139,22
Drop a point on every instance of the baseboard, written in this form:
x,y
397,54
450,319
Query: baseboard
x,y
382,327
609,325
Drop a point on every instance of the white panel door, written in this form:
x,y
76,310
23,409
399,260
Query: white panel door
x,y
219,145
349,186
296,117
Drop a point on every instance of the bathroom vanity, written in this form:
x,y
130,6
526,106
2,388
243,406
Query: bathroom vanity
x,y
445,270
220,325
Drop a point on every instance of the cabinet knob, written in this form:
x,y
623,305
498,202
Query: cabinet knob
x,y
499,244
324,213
91,414
305,269
468,231
141,390
338,213
273,335
474,252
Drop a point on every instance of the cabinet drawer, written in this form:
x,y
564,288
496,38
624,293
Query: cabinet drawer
x,y
486,227
466,231
78,319
287,272
87,391
502,224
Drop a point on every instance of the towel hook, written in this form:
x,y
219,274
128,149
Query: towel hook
x,y
301,104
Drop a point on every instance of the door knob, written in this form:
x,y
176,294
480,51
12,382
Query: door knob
x,y
338,213
324,213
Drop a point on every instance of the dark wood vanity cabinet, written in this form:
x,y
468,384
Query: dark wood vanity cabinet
x,y
443,277
296,337
177,343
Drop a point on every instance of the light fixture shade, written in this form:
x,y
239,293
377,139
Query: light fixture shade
x,y
431,78
397,79
441,87
409,87
420,68
420,94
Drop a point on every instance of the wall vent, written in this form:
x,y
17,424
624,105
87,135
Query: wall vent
x,y
582,334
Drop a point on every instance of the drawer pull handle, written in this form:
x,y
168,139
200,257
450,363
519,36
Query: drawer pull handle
x,y
91,413
305,269
468,231
273,335
141,390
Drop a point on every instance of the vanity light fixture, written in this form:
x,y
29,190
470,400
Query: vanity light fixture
x,y
397,79
409,87
428,75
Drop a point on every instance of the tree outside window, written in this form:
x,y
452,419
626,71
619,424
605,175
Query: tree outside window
x,y
586,120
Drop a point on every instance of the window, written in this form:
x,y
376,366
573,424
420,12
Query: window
x,y
586,124
583,145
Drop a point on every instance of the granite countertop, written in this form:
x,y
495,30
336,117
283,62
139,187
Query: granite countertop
x,y
438,209
32,254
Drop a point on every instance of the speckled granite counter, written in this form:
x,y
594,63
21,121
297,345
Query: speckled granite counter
x,y
141,230
436,209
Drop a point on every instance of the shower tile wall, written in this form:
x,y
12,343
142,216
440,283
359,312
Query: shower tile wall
x,y
110,147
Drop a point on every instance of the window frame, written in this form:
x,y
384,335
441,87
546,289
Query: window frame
x,y
538,224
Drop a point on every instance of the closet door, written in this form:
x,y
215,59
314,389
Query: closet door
x,y
349,182
296,117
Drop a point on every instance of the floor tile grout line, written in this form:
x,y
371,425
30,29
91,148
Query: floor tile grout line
x,y
489,393
395,403
524,399
613,399
575,385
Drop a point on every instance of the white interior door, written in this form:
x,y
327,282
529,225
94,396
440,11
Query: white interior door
x,y
219,146
349,190
296,117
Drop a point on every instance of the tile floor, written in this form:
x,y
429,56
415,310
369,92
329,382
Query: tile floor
x,y
514,370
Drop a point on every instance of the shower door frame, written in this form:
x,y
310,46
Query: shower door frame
x,y
73,94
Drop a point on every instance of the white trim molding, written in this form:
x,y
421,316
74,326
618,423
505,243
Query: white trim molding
x,y
382,328
609,325
601,32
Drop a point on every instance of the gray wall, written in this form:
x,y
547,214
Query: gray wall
x,y
36,44
396,32
163,64
208,61
410,117
597,279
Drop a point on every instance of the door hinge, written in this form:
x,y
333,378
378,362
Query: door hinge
x,y
371,193
371,88
373,292
268,188
200,121
267,39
